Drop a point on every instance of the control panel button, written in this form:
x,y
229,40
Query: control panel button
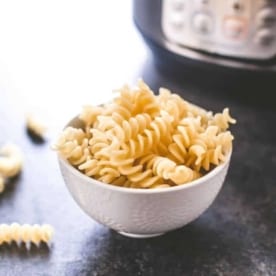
x,y
203,23
176,21
203,2
266,17
264,37
178,5
236,6
234,28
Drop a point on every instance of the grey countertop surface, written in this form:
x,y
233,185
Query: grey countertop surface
x,y
235,236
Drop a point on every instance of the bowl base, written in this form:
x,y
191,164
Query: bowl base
x,y
140,236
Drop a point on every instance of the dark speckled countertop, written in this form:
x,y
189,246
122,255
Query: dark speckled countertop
x,y
235,236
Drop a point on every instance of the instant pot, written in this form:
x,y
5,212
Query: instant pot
x,y
232,37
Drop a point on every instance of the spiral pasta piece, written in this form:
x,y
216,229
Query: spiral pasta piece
x,y
172,104
196,111
158,131
209,148
104,150
198,151
169,170
35,126
162,166
90,167
183,174
93,167
225,140
122,106
209,135
127,167
69,134
80,153
222,120
89,115
106,123
145,101
73,145
26,233
125,100
186,132
213,156
11,160
131,128
135,174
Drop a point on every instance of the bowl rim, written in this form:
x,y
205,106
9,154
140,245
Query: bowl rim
x,y
188,185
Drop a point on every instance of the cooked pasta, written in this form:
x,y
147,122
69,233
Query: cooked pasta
x,y
26,233
89,114
143,140
222,120
130,129
73,145
11,160
35,126
172,104
169,170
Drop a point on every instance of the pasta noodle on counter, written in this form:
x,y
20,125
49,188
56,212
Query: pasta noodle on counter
x,y
11,160
35,127
26,233
143,140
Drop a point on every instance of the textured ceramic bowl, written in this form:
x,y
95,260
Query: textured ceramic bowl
x,y
143,213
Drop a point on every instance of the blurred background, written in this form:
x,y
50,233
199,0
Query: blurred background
x,y
55,56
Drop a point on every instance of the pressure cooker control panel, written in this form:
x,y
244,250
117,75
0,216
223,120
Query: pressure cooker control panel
x,y
234,28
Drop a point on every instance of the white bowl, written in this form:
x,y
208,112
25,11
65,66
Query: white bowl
x,y
143,213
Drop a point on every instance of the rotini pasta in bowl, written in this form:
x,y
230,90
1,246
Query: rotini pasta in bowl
x,y
145,164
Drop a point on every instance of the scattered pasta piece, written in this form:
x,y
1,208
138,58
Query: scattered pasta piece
x,y
2,184
11,160
35,127
143,140
26,233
